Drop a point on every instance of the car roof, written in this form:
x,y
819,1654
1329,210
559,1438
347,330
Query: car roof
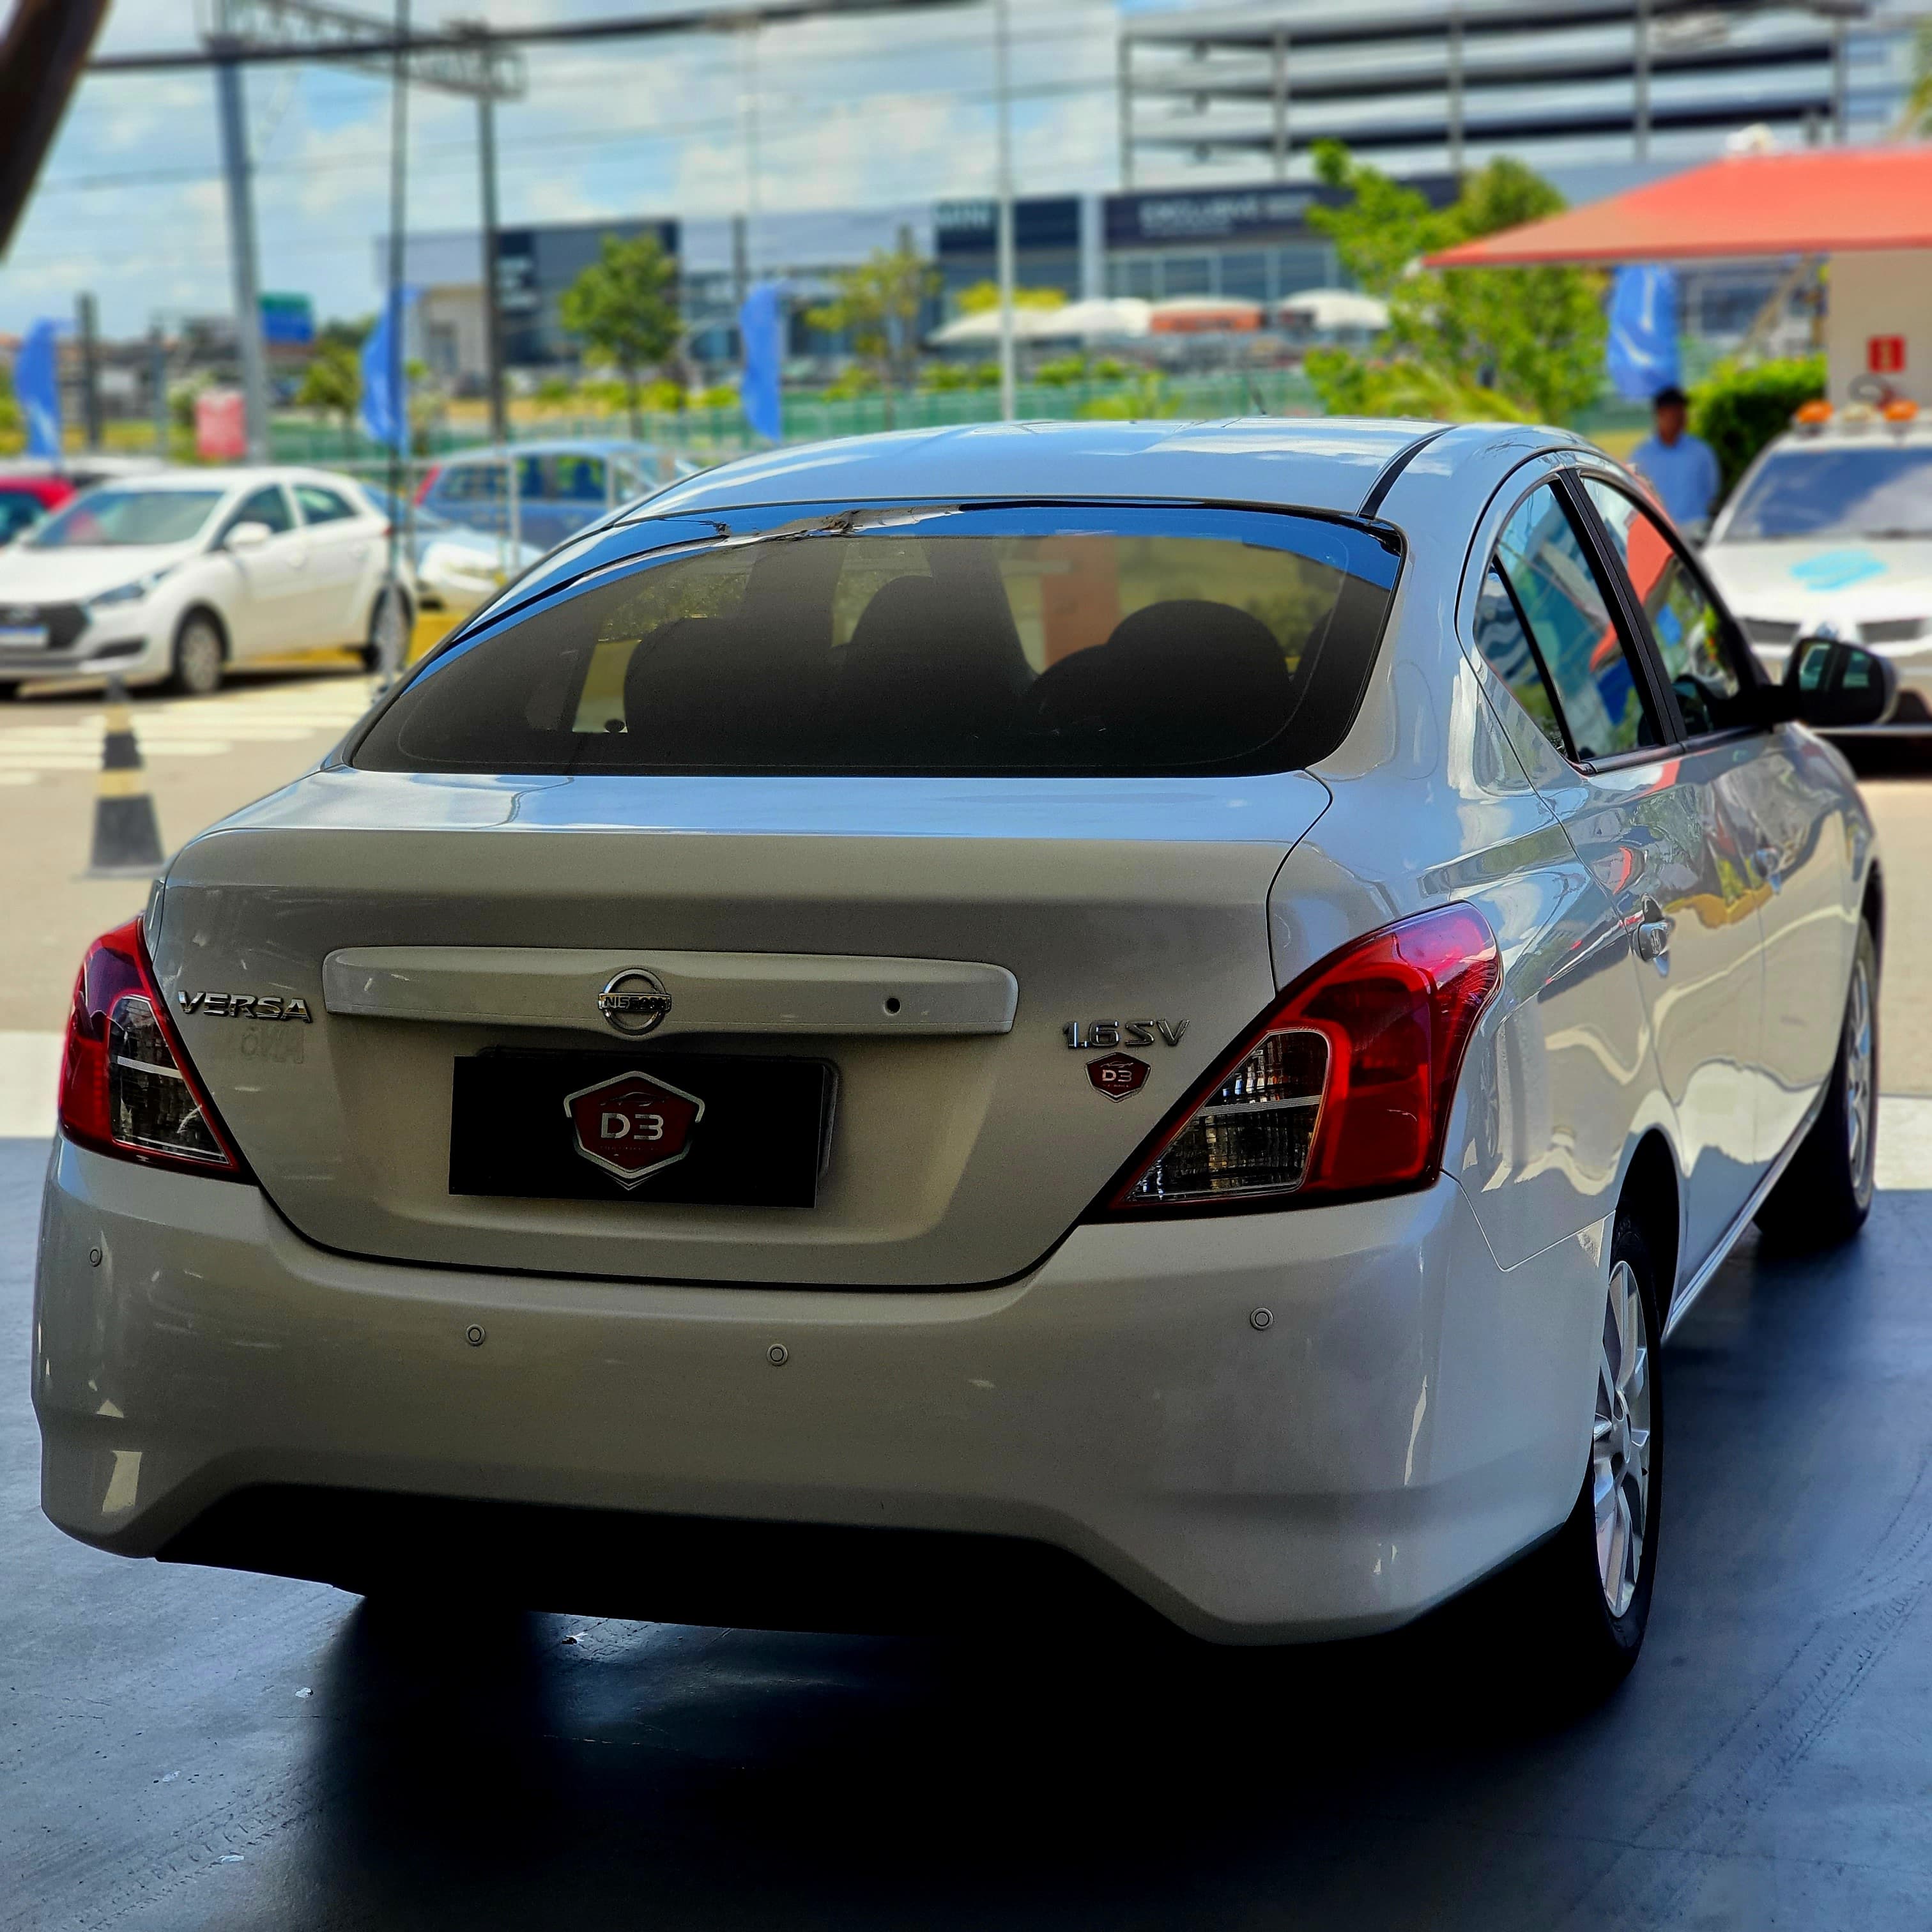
x,y
1834,438
1308,462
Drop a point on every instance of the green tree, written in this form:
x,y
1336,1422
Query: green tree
x,y
1483,343
12,420
1738,411
876,307
983,298
332,383
623,309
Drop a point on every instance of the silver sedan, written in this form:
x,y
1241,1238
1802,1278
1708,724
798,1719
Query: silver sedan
x,y
1161,1011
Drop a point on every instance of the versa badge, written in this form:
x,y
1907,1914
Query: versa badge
x,y
245,1006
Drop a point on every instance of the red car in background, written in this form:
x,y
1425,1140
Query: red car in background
x,y
24,500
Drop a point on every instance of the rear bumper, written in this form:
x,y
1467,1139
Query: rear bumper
x,y
216,1388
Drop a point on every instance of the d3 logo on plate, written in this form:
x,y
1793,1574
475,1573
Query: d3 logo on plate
x,y
630,1126
1117,1075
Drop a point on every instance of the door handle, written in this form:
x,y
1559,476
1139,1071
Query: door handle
x,y
1652,938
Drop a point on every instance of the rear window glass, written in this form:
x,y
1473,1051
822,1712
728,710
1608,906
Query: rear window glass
x,y
984,641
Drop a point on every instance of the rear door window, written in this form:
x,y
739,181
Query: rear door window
x,y
318,505
1072,639
266,506
1566,605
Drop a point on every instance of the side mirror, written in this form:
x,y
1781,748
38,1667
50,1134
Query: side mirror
x,y
247,536
1838,686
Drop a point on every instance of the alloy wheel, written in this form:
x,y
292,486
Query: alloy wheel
x,y
198,658
1859,1098
1620,1443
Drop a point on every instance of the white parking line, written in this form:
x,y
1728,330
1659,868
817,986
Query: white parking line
x,y
199,728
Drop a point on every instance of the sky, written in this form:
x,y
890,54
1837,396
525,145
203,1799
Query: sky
x,y
849,113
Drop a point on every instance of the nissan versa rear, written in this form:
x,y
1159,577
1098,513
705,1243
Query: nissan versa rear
x,y
1001,1018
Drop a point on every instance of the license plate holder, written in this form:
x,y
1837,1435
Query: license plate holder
x,y
714,1129
31,637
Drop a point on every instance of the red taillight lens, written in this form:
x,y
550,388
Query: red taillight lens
x,y
1342,1087
127,1086
428,481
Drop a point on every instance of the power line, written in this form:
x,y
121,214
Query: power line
x,y
572,143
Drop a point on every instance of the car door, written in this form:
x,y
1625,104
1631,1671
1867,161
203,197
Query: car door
x,y
1778,810
272,589
343,542
1553,623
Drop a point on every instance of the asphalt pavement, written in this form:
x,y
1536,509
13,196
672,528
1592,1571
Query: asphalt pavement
x,y
190,1749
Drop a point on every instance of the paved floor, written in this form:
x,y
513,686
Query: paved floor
x,y
184,1749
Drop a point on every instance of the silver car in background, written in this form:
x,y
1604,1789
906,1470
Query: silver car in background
x,y
1008,1017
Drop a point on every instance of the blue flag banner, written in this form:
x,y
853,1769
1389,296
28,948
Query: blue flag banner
x,y
1642,348
761,330
386,415
37,387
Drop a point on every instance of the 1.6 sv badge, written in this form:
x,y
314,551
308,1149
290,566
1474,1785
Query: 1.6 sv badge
x,y
1103,1036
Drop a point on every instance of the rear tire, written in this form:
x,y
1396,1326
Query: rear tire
x,y
8,692
386,627
199,654
1823,1197
1578,1606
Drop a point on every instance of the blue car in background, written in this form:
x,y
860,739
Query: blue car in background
x,y
560,487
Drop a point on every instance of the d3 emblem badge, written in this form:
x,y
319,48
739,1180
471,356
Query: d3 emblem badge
x,y
631,1126
1118,1075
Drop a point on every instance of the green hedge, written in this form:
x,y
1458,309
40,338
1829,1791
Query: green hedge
x,y
1738,411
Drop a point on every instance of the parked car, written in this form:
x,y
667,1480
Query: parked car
x,y
173,577
1830,530
962,1024
561,486
455,568
25,501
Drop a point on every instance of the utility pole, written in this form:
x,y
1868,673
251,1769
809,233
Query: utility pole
x,y
492,293
1640,79
158,386
391,643
236,171
1003,87
464,59
87,327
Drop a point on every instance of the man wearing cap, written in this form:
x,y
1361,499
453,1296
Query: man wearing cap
x,y
1682,468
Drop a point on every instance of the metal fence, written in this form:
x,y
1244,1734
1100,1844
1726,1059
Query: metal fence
x,y
708,435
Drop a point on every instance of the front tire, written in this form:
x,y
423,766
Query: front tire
x,y
1581,1602
1823,1197
199,655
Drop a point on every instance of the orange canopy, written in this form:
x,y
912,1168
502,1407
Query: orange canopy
x,y
1821,201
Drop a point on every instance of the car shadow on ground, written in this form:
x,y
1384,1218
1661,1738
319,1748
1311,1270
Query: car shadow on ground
x,y
499,1769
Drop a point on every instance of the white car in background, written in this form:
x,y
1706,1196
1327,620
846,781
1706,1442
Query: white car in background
x,y
173,577
1830,534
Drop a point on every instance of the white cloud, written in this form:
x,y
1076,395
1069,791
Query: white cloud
x,y
861,112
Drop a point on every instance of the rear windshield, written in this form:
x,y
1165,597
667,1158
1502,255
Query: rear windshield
x,y
1111,639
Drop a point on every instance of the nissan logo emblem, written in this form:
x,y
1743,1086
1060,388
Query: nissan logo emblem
x,y
634,1002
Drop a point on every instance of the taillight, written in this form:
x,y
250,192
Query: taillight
x,y
428,481
1343,1086
127,1086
